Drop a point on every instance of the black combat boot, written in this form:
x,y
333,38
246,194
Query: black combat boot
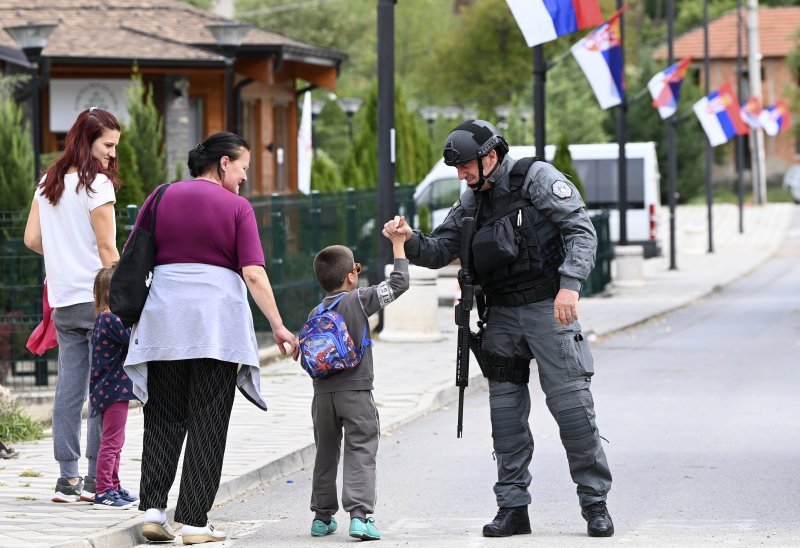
x,y
598,520
507,522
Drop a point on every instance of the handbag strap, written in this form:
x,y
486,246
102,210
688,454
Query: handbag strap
x,y
151,209
161,190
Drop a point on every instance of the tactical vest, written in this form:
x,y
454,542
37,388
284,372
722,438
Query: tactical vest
x,y
541,247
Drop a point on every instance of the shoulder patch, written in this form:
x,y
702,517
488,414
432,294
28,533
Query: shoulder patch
x,y
457,203
562,189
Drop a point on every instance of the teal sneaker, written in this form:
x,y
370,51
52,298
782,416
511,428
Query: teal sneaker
x,y
364,530
319,528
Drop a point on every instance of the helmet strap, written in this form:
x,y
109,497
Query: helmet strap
x,y
481,177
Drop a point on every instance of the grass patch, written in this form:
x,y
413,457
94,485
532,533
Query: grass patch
x,y
16,426
2,484
136,459
30,474
728,195
26,498
26,484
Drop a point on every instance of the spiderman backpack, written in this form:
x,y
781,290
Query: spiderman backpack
x,y
326,345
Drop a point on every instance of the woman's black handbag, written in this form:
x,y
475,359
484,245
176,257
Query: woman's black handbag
x,y
131,280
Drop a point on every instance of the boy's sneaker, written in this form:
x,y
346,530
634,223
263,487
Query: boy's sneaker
x,y
89,487
126,495
110,499
319,528
66,492
364,529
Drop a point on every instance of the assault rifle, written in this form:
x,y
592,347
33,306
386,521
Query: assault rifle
x,y
462,315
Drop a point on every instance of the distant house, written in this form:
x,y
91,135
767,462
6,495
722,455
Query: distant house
x,y
89,58
778,28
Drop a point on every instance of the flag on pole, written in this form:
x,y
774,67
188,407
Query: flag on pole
x,y
751,111
599,54
305,149
544,20
776,119
665,88
719,115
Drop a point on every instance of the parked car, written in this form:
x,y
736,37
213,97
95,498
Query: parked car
x,y
791,180
597,167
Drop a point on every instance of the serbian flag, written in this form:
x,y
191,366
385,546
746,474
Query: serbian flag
x,y
776,119
599,54
751,111
544,20
665,88
719,115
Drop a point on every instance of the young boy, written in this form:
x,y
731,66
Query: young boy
x,y
344,400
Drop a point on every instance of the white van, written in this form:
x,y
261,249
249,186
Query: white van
x,y
596,165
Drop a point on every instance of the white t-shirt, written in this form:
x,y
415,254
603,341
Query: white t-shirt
x,y
71,258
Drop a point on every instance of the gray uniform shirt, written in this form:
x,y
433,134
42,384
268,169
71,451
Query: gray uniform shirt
x,y
356,307
549,191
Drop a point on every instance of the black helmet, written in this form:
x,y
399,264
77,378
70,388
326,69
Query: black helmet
x,y
471,140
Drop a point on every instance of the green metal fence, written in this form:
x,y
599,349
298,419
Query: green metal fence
x,y
293,229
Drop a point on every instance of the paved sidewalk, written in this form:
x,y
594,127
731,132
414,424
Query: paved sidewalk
x,y
411,380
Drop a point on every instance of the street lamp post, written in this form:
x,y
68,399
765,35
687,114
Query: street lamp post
x,y
430,114
229,35
525,114
350,106
32,39
502,112
316,109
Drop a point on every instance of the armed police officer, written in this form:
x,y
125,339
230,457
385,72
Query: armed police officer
x,y
533,248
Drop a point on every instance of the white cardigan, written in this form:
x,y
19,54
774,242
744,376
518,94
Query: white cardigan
x,y
196,311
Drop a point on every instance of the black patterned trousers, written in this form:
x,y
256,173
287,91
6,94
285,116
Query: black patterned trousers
x,y
192,400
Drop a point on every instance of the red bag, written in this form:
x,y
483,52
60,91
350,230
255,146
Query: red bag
x,y
43,337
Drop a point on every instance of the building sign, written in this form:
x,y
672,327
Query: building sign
x,y
68,98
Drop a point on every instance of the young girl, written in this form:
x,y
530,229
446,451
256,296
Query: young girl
x,y
110,390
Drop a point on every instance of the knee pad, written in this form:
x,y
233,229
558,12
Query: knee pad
x,y
574,424
509,421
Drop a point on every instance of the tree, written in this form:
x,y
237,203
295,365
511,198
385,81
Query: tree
x,y
145,130
325,175
413,153
16,164
562,161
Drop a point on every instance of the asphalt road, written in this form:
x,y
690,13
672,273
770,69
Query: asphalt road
x,y
700,411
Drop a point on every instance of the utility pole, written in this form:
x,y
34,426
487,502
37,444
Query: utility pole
x,y
740,98
386,133
539,76
672,160
757,155
622,139
709,149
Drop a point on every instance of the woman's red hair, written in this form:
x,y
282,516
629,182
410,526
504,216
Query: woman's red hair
x,y
88,127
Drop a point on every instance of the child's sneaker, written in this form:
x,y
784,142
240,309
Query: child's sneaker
x,y
364,529
319,528
110,499
67,492
89,487
126,495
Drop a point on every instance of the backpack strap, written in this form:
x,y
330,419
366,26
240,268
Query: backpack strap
x,y
520,170
365,340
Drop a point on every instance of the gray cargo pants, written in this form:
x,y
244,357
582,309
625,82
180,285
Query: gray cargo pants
x,y
74,326
565,368
354,412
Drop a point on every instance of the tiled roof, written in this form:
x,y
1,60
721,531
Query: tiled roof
x,y
157,31
777,29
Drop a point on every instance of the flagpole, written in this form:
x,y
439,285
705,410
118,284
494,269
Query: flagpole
x,y
622,137
740,98
539,77
672,160
709,151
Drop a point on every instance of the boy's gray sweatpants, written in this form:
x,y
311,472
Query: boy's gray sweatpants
x,y
354,412
74,330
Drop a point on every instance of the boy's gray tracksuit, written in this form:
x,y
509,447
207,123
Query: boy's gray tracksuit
x,y
343,402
